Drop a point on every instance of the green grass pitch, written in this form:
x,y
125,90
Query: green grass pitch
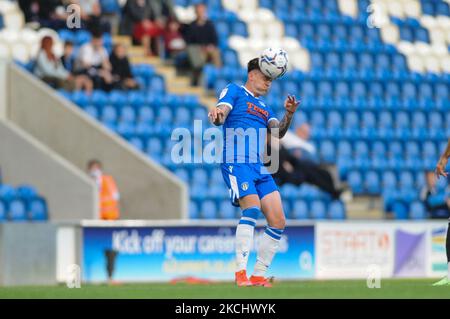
x,y
390,288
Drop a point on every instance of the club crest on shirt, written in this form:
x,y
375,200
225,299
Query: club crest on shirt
x,y
244,186
223,93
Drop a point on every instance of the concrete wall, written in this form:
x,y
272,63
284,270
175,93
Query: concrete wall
x,y
70,194
31,260
4,85
148,191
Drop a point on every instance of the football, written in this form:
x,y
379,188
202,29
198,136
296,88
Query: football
x,y
273,62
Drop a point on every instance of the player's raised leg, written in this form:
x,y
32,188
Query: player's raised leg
x,y
250,206
270,240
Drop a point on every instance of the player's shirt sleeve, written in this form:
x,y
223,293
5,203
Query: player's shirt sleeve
x,y
228,95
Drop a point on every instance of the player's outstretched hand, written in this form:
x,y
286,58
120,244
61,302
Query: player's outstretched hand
x,y
216,116
440,167
291,104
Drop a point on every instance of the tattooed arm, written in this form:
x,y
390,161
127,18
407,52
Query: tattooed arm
x,y
218,114
440,167
290,104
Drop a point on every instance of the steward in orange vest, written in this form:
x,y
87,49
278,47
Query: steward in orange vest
x,y
108,192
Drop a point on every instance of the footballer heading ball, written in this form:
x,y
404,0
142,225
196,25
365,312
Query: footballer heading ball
x,y
273,62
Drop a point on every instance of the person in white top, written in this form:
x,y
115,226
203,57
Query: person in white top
x,y
49,68
93,60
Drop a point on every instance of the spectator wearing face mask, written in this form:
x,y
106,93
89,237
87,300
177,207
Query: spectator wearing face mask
x,y
108,193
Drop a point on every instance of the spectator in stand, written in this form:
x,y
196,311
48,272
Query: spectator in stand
x,y
140,21
108,193
91,15
296,171
68,58
173,40
93,61
201,38
437,202
48,14
121,70
50,69
68,61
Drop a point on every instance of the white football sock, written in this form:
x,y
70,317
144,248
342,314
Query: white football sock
x,y
244,236
267,248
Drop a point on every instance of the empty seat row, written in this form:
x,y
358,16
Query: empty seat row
x,y
299,209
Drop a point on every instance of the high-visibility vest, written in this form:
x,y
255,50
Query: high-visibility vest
x,y
109,198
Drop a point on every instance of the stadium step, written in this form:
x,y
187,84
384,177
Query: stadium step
x,y
365,207
123,39
176,84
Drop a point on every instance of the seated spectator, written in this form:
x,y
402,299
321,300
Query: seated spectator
x,y
48,14
173,40
68,60
201,38
139,20
108,193
296,171
91,16
93,61
51,70
121,70
299,143
436,202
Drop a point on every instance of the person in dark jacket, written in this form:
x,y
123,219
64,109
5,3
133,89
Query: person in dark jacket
x,y
139,19
121,70
296,171
201,38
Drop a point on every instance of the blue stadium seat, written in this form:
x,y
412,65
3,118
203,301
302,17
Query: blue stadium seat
x,y
92,111
300,210
400,210
417,210
109,114
17,210
27,192
318,210
137,142
226,210
165,115
287,208
336,210
154,147
193,210
182,174
379,148
372,183
3,211
66,35
354,179
157,85
146,114
7,192
82,37
327,151
182,116
344,149
127,114
208,210
200,176
37,209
